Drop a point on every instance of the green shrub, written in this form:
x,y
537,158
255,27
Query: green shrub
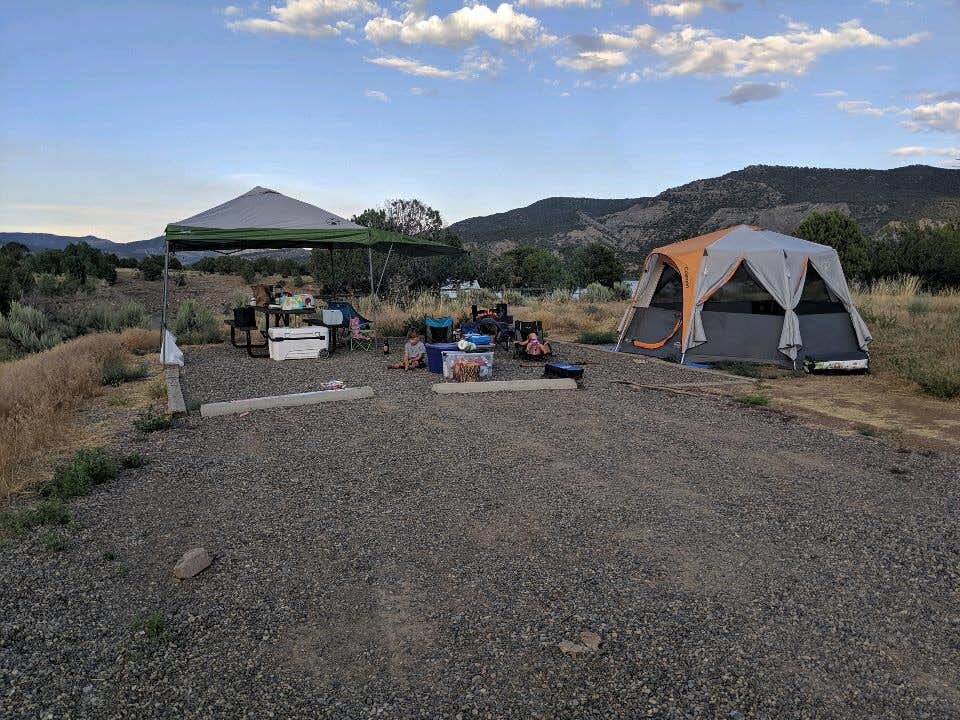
x,y
52,541
738,367
513,297
133,460
594,312
48,512
597,337
621,291
480,296
157,389
181,280
919,305
941,380
151,421
89,467
238,299
116,370
152,625
102,317
560,295
197,324
48,284
298,281
248,273
27,329
878,318
754,399
595,292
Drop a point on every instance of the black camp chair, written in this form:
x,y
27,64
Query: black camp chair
x,y
523,328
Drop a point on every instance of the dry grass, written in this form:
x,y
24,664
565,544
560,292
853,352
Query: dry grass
x,y
916,336
39,394
562,319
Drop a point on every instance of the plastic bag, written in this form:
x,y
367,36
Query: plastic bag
x,y
172,355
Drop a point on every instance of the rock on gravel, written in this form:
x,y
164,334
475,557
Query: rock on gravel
x,y
193,562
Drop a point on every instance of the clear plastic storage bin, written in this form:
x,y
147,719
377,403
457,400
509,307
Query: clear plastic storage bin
x,y
467,367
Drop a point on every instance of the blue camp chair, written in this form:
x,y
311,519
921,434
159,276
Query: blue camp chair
x,y
439,329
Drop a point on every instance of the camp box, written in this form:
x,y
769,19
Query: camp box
x,y
467,366
308,342
562,369
477,339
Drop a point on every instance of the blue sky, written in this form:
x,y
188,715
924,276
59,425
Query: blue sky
x,y
120,116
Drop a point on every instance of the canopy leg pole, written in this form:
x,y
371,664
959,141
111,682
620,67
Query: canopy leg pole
x,y
370,268
333,288
163,313
384,269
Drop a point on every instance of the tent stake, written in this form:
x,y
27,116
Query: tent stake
x,y
163,315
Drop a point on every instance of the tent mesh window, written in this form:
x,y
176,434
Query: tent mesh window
x,y
669,292
817,298
742,294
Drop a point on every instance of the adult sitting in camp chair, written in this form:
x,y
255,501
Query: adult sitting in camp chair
x,y
359,340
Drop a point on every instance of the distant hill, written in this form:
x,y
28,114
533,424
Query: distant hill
x,y
774,197
48,241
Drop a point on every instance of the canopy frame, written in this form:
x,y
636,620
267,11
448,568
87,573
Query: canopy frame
x,y
265,219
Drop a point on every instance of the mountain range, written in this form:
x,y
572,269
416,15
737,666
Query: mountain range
x,y
774,197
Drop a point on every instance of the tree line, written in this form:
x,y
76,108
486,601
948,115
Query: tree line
x,y
931,251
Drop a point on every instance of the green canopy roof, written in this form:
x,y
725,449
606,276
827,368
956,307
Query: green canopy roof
x,y
265,219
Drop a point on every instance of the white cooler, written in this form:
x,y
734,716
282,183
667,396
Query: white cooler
x,y
308,342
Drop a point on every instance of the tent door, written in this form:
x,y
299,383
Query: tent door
x,y
652,328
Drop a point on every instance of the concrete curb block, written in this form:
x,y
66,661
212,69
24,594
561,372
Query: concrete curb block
x,y
277,401
175,402
504,386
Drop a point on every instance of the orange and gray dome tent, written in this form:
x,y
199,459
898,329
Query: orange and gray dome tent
x,y
745,293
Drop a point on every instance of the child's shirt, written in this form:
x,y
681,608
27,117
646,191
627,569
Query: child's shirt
x,y
414,349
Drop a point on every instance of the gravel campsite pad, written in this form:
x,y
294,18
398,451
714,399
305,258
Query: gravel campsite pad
x,y
605,552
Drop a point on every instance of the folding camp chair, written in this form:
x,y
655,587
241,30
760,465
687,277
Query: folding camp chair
x,y
358,340
349,311
439,329
521,330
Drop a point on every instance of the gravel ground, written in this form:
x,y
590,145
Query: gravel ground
x,y
423,556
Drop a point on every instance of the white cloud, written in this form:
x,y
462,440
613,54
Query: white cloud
x,y
691,8
697,51
410,66
232,11
595,60
460,27
561,3
912,150
629,78
865,107
309,18
378,95
832,93
753,92
475,64
943,116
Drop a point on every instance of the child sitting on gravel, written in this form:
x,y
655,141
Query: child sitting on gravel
x,y
414,353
